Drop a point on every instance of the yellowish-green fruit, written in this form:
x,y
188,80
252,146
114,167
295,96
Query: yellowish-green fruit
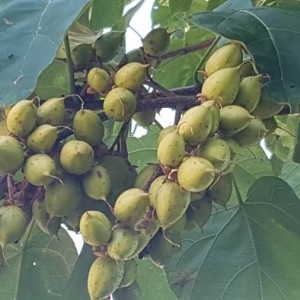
x,y
98,79
161,250
156,42
42,138
51,112
119,104
266,107
252,134
108,45
195,125
179,225
132,206
131,76
249,92
221,191
13,223
144,118
144,176
171,150
227,56
88,127
96,183
217,151
233,118
171,203
49,225
40,169
63,197
3,128
95,227
22,118
123,243
135,55
154,187
11,155
105,276
130,270
165,131
131,292
222,86
77,157
81,56
195,174
214,108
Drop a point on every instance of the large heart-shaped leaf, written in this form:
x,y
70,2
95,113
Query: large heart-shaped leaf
x,y
250,251
30,33
272,36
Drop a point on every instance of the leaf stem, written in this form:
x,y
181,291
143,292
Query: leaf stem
x,y
70,65
238,194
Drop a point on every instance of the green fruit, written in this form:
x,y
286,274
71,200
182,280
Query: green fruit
x,y
88,127
22,118
11,155
144,118
77,157
214,108
135,55
156,42
96,183
51,112
131,292
217,151
220,192
105,276
42,138
49,225
227,56
132,206
144,176
195,125
95,227
63,197
81,56
252,134
233,118
171,150
249,92
154,187
98,79
13,223
165,131
119,104
195,196
130,270
171,203
131,76
179,225
222,86
161,250
40,169
108,45
123,243
3,128
195,174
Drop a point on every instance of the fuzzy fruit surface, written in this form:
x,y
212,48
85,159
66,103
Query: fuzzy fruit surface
x,y
88,127
130,270
154,187
96,183
105,276
131,206
42,138
227,56
81,56
131,76
171,203
156,42
214,109
222,86
22,118
77,157
119,104
196,174
134,55
123,243
13,223
95,227
11,155
171,150
51,112
98,79
144,118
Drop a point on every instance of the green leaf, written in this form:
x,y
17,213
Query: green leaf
x,y
231,4
248,252
30,33
179,6
267,32
38,267
53,81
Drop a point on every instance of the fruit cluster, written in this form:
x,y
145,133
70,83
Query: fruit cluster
x,y
76,180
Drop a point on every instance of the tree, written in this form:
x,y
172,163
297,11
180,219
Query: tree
x,y
241,235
